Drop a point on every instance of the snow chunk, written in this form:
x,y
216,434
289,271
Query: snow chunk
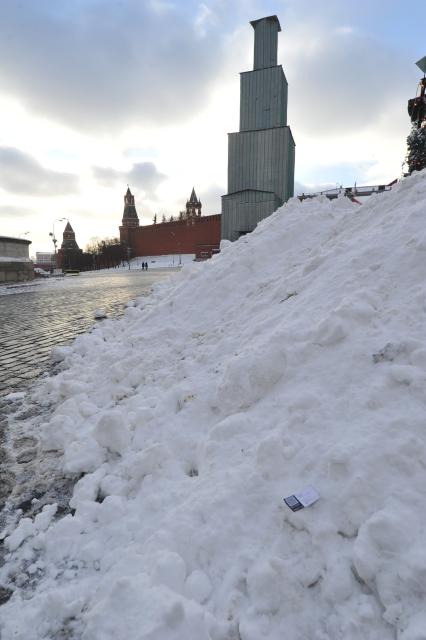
x,y
24,530
251,374
58,354
112,432
27,528
198,586
170,571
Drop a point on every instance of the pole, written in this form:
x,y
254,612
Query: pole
x,y
54,237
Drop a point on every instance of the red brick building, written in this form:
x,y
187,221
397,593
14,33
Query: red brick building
x,y
191,233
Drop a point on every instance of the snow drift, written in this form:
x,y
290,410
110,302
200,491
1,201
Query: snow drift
x,y
296,357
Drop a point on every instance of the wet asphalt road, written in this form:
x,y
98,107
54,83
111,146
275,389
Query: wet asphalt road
x,y
53,312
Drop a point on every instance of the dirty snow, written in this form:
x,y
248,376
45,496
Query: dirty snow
x,y
296,357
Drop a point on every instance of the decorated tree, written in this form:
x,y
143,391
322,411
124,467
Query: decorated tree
x,y
416,141
416,144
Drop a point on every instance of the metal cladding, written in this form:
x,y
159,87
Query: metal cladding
x,y
261,154
265,42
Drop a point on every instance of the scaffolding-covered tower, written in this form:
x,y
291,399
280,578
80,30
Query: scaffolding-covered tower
x,y
261,154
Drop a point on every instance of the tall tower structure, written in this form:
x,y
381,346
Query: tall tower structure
x,y
69,255
69,243
130,216
261,155
193,206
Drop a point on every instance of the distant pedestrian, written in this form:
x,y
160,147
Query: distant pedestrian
x,y
146,266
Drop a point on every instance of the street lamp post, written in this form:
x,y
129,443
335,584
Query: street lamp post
x,y
52,234
179,249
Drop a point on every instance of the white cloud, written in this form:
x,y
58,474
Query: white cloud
x,y
205,18
344,30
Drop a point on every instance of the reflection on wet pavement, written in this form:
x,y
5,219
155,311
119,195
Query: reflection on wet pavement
x,y
53,312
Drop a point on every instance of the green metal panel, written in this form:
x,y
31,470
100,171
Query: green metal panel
x,y
261,155
265,42
263,99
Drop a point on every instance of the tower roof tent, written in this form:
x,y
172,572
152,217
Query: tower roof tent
x,y
193,197
271,18
68,227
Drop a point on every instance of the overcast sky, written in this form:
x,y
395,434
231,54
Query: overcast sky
x,y
98,94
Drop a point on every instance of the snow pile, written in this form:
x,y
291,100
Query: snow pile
x,y
160,262
297,357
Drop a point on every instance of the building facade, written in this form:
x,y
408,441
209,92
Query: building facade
x,y
15,264
45,260
261,154
190,233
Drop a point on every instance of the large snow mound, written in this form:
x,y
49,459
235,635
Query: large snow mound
x,y
296,357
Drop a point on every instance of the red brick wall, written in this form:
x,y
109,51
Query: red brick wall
x,y
203,235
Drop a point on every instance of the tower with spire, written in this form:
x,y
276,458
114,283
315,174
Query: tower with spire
x,y
69,255
69,243
193,206
261,154
130,216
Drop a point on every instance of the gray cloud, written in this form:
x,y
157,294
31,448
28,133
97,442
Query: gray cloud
x,y
20,173
12,211
99,65
106,176
142,176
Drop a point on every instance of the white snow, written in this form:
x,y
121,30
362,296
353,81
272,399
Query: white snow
x,y
159,262
296,357
14,259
